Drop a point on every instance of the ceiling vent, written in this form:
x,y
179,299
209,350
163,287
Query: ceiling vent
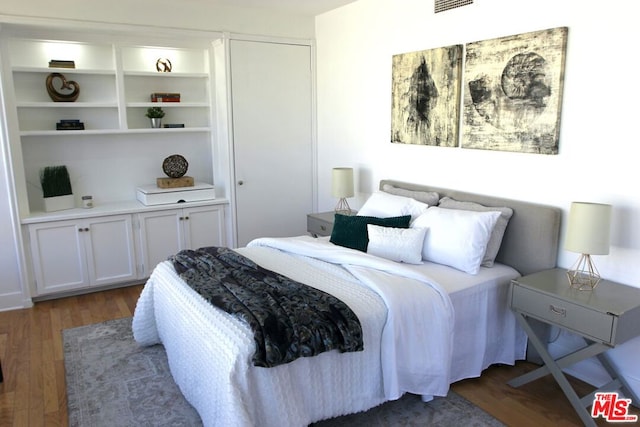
x,y
442,5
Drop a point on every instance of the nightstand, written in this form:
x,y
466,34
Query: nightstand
x,y
605,317
320,224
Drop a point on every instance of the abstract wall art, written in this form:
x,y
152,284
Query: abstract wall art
x,y
513,92
425,99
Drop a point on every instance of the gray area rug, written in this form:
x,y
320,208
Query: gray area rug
x,y
111,381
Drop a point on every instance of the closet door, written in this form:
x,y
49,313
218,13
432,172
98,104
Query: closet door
x,y
272,136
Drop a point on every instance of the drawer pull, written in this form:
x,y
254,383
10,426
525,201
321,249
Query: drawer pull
x,y
557,310
323,228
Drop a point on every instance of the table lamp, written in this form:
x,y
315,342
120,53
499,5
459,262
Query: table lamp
x,y
342,187
588,233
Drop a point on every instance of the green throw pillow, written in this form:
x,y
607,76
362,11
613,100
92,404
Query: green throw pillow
x,y
351,231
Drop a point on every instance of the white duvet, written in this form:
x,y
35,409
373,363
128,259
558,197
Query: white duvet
x,y
407,322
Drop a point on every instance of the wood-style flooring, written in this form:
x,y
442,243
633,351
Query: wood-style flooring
x,y
34,392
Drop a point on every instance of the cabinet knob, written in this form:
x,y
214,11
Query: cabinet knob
x,y
186,218
241,182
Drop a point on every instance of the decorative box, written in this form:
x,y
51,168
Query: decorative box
x,y
153,195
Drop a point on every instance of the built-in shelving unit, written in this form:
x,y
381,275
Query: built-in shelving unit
x,y
119,240
116,80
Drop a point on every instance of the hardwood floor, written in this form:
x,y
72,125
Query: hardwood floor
x,y
539,403
34,392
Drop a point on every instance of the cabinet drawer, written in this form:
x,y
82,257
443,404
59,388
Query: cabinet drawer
x,y
318,226
584,321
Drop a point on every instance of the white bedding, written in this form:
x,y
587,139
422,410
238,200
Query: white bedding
x,y
408,349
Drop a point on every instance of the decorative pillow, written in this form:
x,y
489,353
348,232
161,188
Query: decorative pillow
x,y
383,205
396,244
351,231
498,231
457,238
429,197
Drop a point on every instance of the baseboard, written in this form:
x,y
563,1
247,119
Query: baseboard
x,y
83,291
14,301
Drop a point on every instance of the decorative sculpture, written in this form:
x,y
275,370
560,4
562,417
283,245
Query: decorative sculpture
x,y
163,65
66,85
175,166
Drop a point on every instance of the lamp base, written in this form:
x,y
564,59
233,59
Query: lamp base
x,y
584,275
342,207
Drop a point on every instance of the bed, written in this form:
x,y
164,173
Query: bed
x,y
425,324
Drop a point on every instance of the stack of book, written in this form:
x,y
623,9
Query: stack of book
x,y
69,125
165,97
61,63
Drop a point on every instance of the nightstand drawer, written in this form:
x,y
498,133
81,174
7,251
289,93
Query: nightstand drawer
x,y
587,322
318,226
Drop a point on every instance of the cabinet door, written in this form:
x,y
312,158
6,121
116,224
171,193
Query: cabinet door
x,y
204,226
272,138
58,255
110,249
160,236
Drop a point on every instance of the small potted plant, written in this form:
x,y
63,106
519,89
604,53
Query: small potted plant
x,y
155,114
56,188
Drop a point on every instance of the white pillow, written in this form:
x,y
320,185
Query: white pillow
x,y
456,238
384,205
429,197
493,247
396,244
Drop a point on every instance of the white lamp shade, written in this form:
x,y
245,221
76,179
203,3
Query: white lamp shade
x,y
342,182
589,228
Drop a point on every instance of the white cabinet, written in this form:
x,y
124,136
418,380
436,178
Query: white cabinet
x,y
76,254
165,232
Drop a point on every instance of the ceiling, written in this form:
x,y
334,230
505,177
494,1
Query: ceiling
x,y
298,7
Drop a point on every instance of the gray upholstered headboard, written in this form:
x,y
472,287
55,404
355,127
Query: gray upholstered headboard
x,y
530,243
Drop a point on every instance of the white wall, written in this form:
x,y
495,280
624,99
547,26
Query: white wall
x,y
597,158
596,161
190,14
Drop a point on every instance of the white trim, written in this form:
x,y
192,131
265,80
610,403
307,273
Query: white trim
x,y
20,299
314,129
269,39
224,134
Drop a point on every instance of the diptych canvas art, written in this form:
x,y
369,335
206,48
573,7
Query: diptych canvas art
x,y
512,94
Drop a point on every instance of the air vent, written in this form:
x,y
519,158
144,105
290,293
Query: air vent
x,y
442,5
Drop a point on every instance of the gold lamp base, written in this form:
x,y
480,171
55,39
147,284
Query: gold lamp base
x,y
584,275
